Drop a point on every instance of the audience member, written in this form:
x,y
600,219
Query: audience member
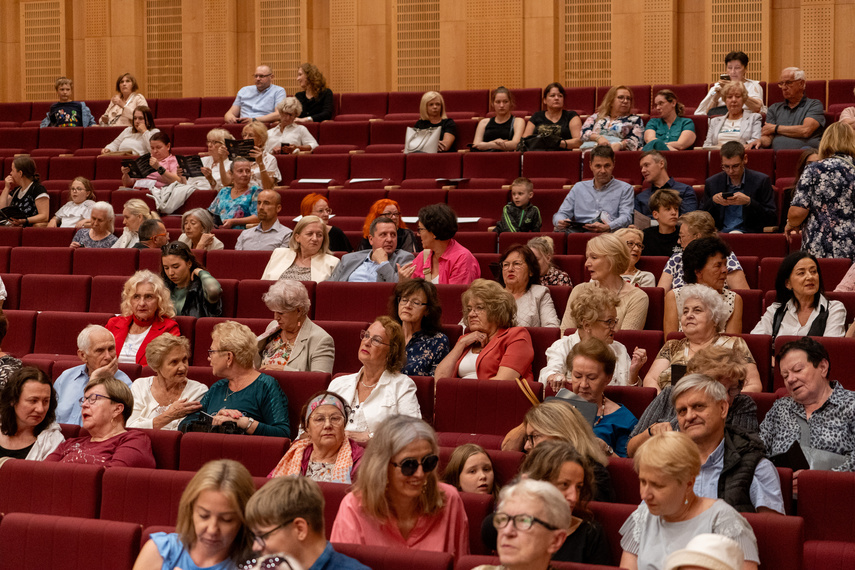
x,y
635,242
265,168
307,256
256,102
193,290
269,234
316,205
614,124
707,552
444,260
120,111
289,136
543,248
493,348
520,215
556,120
198,230
847,116
470,470
216,162
663,239
797,121
736,65
153,235
379,390
654,170
28,427
503,131
23,190
602,204
737,124
75,212
670,130
408,240
432,114
415,306
315,98
378,264
135,139
808,156
236,205
67,112
162,160
134,213
8,363
100,230
520,277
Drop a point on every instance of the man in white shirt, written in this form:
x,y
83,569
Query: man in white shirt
x,y
257,102
269,233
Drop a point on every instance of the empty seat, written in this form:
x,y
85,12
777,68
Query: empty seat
x,y
687,166
780,539
18,112
48,237
258,454
96,261
53,260
55,292
624,479
190,135
344,133
388,132
376,170
362,106
760,245
107,292
650,340
490,169
180,108
22,329
65,138
354,202
479,406
583,100
56,332
49,488
331,169
655,308
215,106
404,104
70,167
558,165
335,301
384,558
142,496
237,264
424,170
410,200
26,138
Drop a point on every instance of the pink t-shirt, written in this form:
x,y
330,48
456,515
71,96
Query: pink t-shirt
x,y
128,449
446,531
456,266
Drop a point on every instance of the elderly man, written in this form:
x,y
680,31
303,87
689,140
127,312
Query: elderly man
x,y
796,121
733,462
269,233
381,262
257,102
287,516
602,204
654,170
153,235
96,347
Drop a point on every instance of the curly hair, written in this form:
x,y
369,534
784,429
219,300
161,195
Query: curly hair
x,y
315,78
287,295
711,299
432,319
591,303
499,303
165,309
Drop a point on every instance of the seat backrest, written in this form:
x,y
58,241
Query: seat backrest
x,y
477,506
480,406
347,341
780,539
384,558
39,292
612,516
624,480
298,388
364,104
43,260
635,398
205,326
96,261
826,501
165,445
143,496
56,332
48,488
379,165
333,494
237,264
334,300
22,325
443,165
651,341
258,454
334,166
655,308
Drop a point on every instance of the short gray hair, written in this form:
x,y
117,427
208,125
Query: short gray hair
x,y
556,511
712,388
798,74
710,298
290,105
84,339
287,295
107,208
236,160
380,220
204,216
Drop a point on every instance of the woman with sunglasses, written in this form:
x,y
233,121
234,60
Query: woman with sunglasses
x,y
398,500
378,390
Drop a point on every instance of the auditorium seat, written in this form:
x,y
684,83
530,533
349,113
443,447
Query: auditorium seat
x,y
626,167
33,542
573,265
44,237
425,388
70,167
612,516
118,199
541,339
472,561
333,169
55,292
650,340
65,139
478,242
287,167
103,262
490,169
624,479
411,200
5,254
635,398
760,245
237,264
480,202
351,301
477,507
689,94
560,295
344,133
250,292
165,445
142,496
583,100
41,260
22,330
468,405
258,454
454,439
100,137
333,495
215,107
825,501
828,555
377,170
362,106
507,239
385,558
17,112
26,138
655,308
10,236
354,202
404,105
752,308
56,332
347,341
423,170
465,132
299,387
780,539
506,464
178,108
488,264
687,166
764,402
190,135
559,165
388,132
467,103
450,301
50,488
750,266
205,326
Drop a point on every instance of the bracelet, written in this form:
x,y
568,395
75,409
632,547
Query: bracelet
x,y
776,129
161,170
650,433
249,425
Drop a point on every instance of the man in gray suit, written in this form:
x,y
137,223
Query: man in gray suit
x,y
380,263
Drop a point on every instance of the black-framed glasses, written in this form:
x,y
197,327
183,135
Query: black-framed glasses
x,y
788,83
262,75
611,323
530,438
391,214
520,522
270,562
634,244
410,302
375,340
92,398
261,538
410,465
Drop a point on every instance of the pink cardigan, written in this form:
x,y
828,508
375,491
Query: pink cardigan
x,y
456,266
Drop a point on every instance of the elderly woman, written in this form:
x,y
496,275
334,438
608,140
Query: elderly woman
x,y
75,212
67,112
162,160
324,453
147,313
135,139
24,191
407,239
216,163
703,315
198,227
316,98
265,168
694,225
738,124
823,197
107,404
254,402
800,307
444,260
543,248
614,123
236,205
556,119
503,131
606,259
134,213
635,242
120,111
736,65
28,428
211,528
378,390
292,342
670,130
494,348
470,470
100,230
595,312
163,400
671,513
316,205
289,136
398,500
415,306
521,278
705,263
307,256
194,292
432,114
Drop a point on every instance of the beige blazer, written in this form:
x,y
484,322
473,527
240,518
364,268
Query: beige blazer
x,y
282,258
314,349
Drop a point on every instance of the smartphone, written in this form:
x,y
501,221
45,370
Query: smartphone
x,y
727,194
724,77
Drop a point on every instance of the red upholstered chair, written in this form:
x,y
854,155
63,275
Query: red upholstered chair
x,y
450,300
404,104
624,480
57,489
109,167
389,132
299,387
423,170
477,506
70,167
583,100
527,100
507,239
635,398
118,199
650,340
480,202
687,166
26,138
386,169
384,558
560,295
362,106
249,294
12,281
351,301
833,270
750,266
478,242
205,326
333,494
626,167
490,169
237,264
153,501
488,263
56,332
52,238
612,516
30,542
827,555
559,165
573,265
354,202
467,103
190,135
335,168
764,401
11,236
55,292
258,454
287,167
752,308
165,446
410,200
346,335
183,108
94,261
215,106
344,132
760,245
65,138
506,464
480,406
107,292
839,94
840,351
655,308
826,500
425,388
454,439
780,539
17,112
22,325
541,339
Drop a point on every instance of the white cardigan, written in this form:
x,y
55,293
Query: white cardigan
x,y
145,405
46,442
749,128
282,258
556,359
395,394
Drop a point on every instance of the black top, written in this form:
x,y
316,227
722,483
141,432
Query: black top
x,y
16,453
338,240
319,108
495,130
448,126
539,118
656,243
27,203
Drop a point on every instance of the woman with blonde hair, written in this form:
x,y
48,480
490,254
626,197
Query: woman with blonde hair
x,y
316,98
398,499
607,259
307,257
120,111
315,204
264,171
738,124
614,123
432,114
289,136
635,242
211,531
543,248
215,163
134,213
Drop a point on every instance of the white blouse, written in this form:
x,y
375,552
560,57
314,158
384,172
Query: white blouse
x,y
70,213
394,394
146,408
790,326
132,345
132,141
293,134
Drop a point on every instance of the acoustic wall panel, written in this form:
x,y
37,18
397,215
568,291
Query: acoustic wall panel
x,y
281,36
416,45
817,29
737,25
489,22
343,44
216,23
586,42
96,43
42,48
163,43
660,23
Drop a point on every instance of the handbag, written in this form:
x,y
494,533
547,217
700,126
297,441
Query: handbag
x,y
422,140
516,437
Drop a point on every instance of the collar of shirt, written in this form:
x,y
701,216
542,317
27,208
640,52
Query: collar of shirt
x,y
717,456
802,101
731,185
264,90
668,184
274,228
604,187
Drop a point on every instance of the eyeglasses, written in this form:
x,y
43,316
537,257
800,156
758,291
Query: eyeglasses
x,y
335,420
161,235
410,465
611,323
214,142
324,211
211,351
476,308
623,98
531,438
512,265
261,538
521,522
421,229
260,76
787,83
634,244
375,340
391,214
411,302
92,398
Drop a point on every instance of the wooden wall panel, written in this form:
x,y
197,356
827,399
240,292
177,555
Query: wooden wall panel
x,y
280,27
96,47
416,61
817,37
586,42
660,41
164,49
343,52
494,43
43,48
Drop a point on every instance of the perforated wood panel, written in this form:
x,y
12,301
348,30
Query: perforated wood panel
x,y
586,42
818,38
42,48
416,46
281,37
343,44
96,43
660,35
489,21
216,28
163,61
737,25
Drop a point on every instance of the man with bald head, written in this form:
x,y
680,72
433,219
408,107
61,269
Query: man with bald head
x,y
269,234
796,121
257,102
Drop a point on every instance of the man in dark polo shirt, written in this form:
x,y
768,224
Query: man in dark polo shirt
x,y
654,170
796,121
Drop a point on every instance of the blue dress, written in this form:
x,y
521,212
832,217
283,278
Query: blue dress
x,y
614,429
243,206
174,555
424,353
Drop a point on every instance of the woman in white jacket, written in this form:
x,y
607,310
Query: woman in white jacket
x,y
28,428
738,124
307,256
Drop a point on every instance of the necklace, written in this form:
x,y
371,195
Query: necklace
x,y
602,412
364,385
230,392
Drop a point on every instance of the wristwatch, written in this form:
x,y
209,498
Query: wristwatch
x,y
161,170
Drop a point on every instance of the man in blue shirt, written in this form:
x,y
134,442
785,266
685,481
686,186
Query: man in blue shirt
x,y
287,516
602,204
654,170
380,263
257,102
96,347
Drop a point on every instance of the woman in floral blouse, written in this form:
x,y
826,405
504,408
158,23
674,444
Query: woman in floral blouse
x,y
415,306
613,123
543,248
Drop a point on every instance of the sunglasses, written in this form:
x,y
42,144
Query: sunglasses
x,y
410,465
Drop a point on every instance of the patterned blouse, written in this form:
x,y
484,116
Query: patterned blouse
x,y
8,365
629,128
675,352
85,240
826,190
243,206
276,352
297,273
424,353
674,268
555,276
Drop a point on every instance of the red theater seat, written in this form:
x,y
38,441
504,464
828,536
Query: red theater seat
x,y
55,292
26,138
354,202
56,489
190,135
237,264
153,501
70,167
573,265
687,166
423,170
299,387
344,133
258,454
410,200
490,169
833,270
650,340
480,406
655,308
467,103
612,516
333,495
752,308
94,261
471,561
332,167
635,398
165,445
10,236
375,170
580,99
66,138
477,506
287,166
362,106
388,132
560,165
215,106
249,295
347,341
107,292
335,301
56,332
507,239
780,539
384,558
22,329
12,281
404,103
454,439
624,480
183,108
48,238
481,202
477,242
16,112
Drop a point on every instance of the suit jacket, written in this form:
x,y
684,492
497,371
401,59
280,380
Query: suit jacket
x,y
314,349
388,272
120,326
759,213
749,128
283,257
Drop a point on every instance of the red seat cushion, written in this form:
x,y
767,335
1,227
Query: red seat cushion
x,y
58,489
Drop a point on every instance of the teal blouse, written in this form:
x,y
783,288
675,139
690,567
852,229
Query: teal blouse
x,y
667,135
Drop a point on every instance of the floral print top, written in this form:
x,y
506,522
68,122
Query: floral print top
x,y
424,352
826,190
629,128
674,268
276,352
556,276
243,206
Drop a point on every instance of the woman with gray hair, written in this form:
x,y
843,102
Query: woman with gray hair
x,y
289,137
703,315
738,124
198,226
292,341
100,232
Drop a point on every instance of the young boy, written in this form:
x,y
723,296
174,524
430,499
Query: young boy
x,y
520,215
662,239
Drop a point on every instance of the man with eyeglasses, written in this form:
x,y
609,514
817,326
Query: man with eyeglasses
x,y
96,347
378,264
797,121
153,235
740,200
269,234
257,102
733,462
